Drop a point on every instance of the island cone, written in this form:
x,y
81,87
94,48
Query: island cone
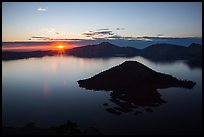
x,y
133,85
132,75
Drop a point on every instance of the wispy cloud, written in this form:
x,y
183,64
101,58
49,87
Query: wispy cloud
x,y
121,37
102,29
65,39
120,28
39,38
102,33
42,9
106,33
51,31
160,34
52,39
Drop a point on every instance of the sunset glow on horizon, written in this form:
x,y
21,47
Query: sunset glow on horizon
x,y
60,47
52,46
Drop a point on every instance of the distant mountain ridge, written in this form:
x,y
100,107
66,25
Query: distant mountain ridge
x,y
169,52
104,49
156,52
11,55
139,43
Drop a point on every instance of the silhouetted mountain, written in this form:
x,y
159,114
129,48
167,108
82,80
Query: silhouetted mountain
x,y
131,74
104,49
166,51
10,55
134,84
195,45
157,52
194,55
169,52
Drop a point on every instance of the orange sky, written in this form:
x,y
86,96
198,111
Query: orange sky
x,y
52,46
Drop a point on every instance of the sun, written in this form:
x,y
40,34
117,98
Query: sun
x,y
60,46
60,49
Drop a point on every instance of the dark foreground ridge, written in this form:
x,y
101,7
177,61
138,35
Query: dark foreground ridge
x,y
12,55
68,128
133,85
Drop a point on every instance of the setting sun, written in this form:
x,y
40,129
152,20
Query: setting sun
x,y
60,47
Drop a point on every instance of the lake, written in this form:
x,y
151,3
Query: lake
x,y
45,91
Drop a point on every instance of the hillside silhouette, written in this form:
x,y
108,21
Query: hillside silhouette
x,y
132,84
169,52
157,53
12,55
67,128
104,49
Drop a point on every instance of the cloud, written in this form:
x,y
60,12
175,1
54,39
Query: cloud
x,y
76,39
120,28
51,31
53,39
65,39
42,9
160,34
104,33
88,34
122,37
99,34
40,38
102,29
115,37
156,38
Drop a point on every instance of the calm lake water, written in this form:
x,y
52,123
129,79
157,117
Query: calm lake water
x,y
45,91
